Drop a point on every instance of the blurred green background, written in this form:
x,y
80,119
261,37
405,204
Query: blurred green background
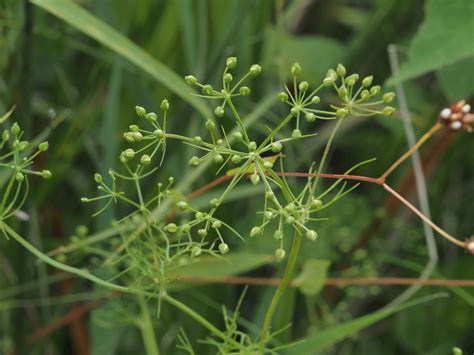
x,y
81,77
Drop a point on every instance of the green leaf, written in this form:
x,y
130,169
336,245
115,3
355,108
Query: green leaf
x,y
456,80
322,339
92,26
444,37
313,276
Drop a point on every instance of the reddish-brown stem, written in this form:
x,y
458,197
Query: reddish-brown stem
x,y
377,181
423,217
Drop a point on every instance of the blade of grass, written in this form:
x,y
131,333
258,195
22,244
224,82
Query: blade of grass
x,y
92,26
322,339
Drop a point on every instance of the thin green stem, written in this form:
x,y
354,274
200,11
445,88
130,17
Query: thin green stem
x,y
287,275
240,123
146,328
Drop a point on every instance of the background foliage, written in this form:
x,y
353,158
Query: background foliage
x,y
81,76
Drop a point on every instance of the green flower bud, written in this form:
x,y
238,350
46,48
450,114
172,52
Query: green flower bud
x,y
171,228
82,230
190,80
129,137
165,105
341,70
296,133
236,159
195,252
315,203
375,90
200,216
278,234
255,179
365,95
19,176
244,91
237,136
268,214
210,125
388,97
280,254
296,69
295,111
316,100
267,164
219,111
5,135
457,351
303,86
182,205
231,62
388,110
228,77
23,145
276,147
43,147
290,220
255,69
331,73
270,195
84,199
223,248
341,112
185,228
216,224
328,82
194,161
207,89
151,117
15,129
255,231
218,159
282,96
252,146
145,159
202,233
311,235
133,128
310,117
129,153
197,140
140,111
98,178
342,92
137,136
367,81
159,133
215,202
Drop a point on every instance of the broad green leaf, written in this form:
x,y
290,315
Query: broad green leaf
x,y
92,26
444,37
233,264
457,80
313,276
322,339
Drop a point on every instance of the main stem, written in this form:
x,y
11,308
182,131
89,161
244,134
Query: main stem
x,y
285,281
146,328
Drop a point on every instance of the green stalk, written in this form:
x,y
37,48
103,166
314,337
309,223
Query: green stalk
x,y
287,275
146,328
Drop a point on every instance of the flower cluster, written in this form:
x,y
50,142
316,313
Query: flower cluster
x,y
17,156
